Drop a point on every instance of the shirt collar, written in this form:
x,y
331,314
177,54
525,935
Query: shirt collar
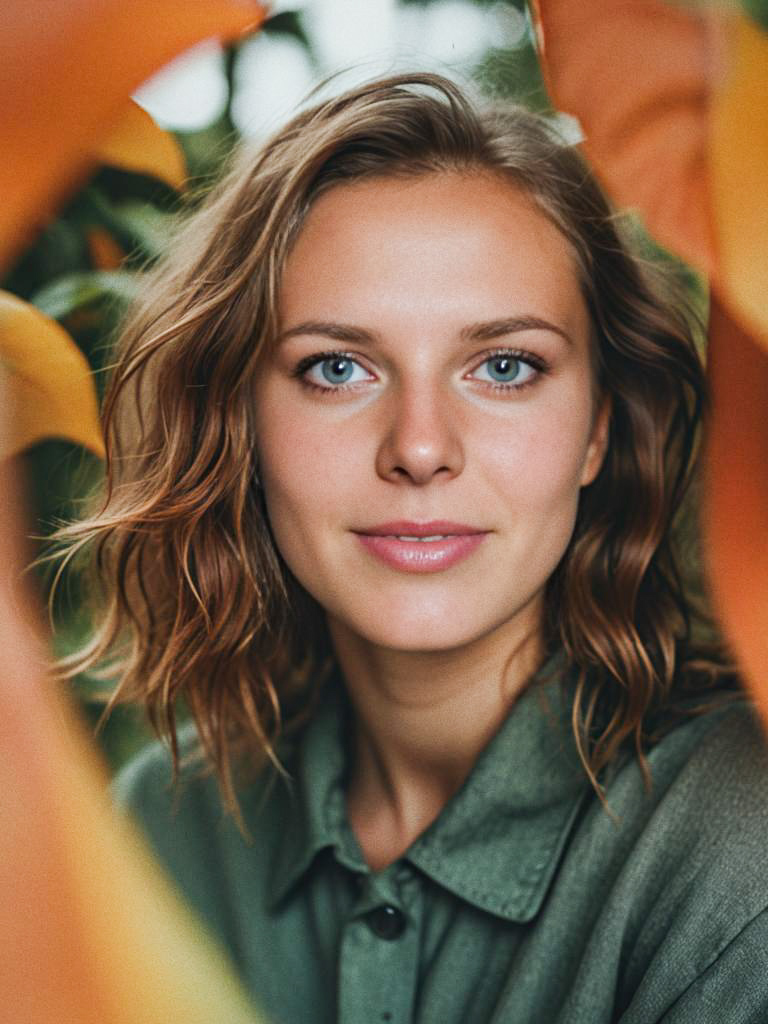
x,y
496,843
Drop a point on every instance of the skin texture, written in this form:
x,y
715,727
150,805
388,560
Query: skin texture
x,y
421,432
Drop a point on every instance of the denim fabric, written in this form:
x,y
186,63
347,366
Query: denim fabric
x,y
525,902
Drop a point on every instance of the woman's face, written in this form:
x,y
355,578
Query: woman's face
x,y
432,379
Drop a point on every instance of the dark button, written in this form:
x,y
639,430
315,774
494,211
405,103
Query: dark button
x,y
387,922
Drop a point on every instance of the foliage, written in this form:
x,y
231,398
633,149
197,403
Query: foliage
x,y
82,270
87,916
757,9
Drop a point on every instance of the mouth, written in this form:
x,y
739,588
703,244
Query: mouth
x,y
435,529
421,547
437,536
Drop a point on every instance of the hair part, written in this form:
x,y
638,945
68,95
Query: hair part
x,y
194,600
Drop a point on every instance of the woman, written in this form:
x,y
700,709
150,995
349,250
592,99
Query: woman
x,y
397,437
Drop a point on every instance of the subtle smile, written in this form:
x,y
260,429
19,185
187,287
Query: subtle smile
x,y
421,547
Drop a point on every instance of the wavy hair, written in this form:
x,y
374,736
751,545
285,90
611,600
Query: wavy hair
x,y
193,599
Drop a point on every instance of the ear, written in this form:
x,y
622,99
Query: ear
x,y
598,443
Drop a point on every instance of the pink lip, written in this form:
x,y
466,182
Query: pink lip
x,y
459,541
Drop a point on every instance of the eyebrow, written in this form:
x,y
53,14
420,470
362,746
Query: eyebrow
x,y
486,330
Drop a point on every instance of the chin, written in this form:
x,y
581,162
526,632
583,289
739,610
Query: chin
x,y
418,630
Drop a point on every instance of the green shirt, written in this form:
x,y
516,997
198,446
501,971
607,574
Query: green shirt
x,y
523,903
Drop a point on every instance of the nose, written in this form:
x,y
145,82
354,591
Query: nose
x,y
421,440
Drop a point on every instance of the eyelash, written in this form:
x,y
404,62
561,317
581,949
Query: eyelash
x,y
535,362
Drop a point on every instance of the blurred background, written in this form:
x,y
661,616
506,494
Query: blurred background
x,y
256,86
83,268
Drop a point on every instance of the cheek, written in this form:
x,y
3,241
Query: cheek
x,y
536,480
537,462
306,467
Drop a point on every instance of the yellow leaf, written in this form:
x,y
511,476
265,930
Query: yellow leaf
x,y
136,143
738,159
51,385
65,77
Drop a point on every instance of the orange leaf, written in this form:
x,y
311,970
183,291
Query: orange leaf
x,y
65,77
50,382
91,932
737,493
136,143
636,75
673,104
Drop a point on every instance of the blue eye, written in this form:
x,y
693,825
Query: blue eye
x,y
336,371
331,370
506,368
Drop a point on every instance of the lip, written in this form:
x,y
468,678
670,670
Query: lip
x,y
458,542
408,528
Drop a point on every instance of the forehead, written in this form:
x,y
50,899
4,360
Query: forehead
x,y
439,246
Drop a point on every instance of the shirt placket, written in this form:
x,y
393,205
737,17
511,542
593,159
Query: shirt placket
x,y
379,954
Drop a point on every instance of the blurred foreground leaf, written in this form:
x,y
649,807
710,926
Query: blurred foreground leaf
x,y
738,163
92,932
635,76
736,510
49,380
65,77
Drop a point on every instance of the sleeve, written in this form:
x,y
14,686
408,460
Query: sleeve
x,y
734,987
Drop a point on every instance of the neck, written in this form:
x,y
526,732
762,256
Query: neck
x,y
421,720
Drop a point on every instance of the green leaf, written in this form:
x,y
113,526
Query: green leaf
x,y
148,225
287,23
206,152
513,74
93,208
758,10
71,292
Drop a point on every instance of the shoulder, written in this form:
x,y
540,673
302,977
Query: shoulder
x,y
706,812
695,872
667,889
211,859
709,775
145,785
177,816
